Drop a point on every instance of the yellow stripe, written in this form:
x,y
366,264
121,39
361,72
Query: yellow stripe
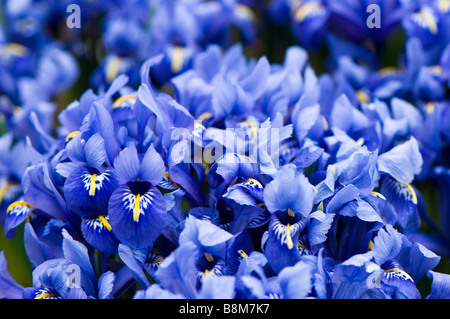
x,y
177,59
376,194
360,141
242,253
252,129
3,191
430,107
207,165
159,260
326,127
370,245
244,11
209,257
105,222
444,5
14,49
400,272
430,20
412,192
320,207
289,242
387,71
18,203
137,208
123,98
254,181
251,161
112,69
92,187
291,213
71,135
170,180
362,96
305,10
46,294
204,115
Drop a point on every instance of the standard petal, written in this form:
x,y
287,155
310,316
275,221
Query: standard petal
x,y
127,164
402,162
152,167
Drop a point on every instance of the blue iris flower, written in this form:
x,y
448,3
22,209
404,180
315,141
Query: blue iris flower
x,y
52,278
137,208
186,270
289,206
309,22
12,167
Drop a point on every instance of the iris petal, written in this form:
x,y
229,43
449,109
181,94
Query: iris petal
x,y
16,213
98,233
87,193
404,200
137,231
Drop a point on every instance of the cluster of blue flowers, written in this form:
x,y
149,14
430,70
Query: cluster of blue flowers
x,y
195,168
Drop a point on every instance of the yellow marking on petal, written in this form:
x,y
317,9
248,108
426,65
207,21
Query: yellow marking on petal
x,y
177,59
387,71
290,213
430,107
301,246
251,161
326,127
429,20
14,49
137,208
92,185
242,253
370,245
412,192
159,260
254,181
376,194
72,135
401,272
295,5
436,69
444,5
244,11
362,96
207,272
166,175
209,257
18,203
3,191
105,222
252,129
320,207
199,125
44,295
289,242
360,141
113,68
305,10
123,98
204,115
